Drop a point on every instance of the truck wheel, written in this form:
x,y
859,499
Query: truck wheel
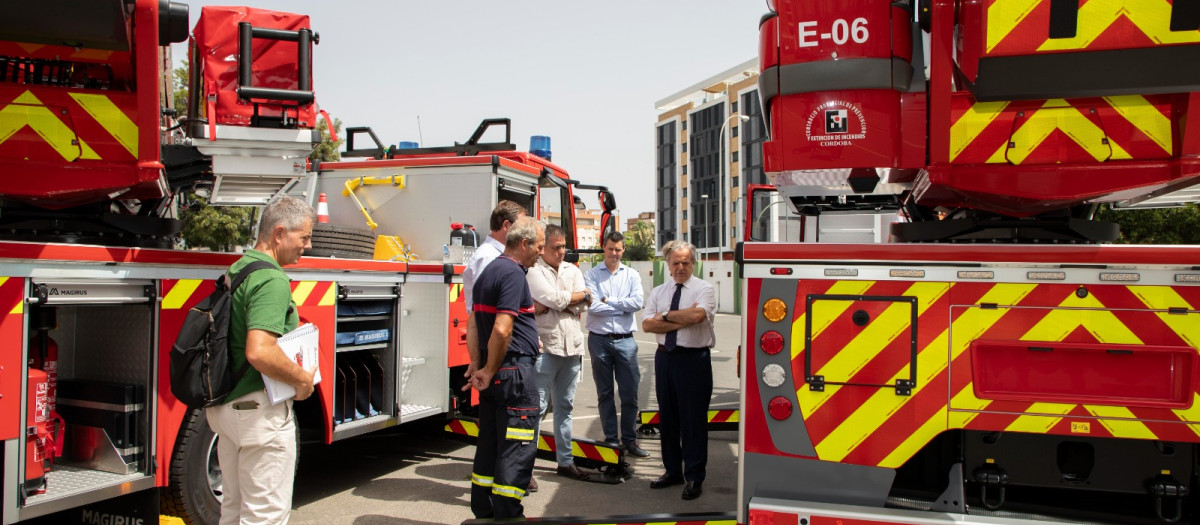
x,y
194,485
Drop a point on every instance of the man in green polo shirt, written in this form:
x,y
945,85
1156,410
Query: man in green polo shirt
x,y
257,445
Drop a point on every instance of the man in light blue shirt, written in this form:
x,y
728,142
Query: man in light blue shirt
x,y
616,291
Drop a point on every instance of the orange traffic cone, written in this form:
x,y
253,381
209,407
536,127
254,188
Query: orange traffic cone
x,y
322,209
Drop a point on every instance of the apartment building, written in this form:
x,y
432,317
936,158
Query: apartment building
x,y
708,143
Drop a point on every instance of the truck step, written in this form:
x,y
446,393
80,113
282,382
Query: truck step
x,y
689,518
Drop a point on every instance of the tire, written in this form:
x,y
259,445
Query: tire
x,y
194,482
324,229
340,254
331,240
343,245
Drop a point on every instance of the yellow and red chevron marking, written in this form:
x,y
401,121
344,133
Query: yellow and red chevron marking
x,y
1097,318
40,123
455,293
314,293
1018,27
650,417
1054,131
579,449
872,425
463,427
182,293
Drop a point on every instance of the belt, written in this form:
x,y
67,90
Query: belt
x,y
245,405
519,358
611,336
662,348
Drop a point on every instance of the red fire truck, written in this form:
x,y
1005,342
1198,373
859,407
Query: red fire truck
x,y
95,160
1009,368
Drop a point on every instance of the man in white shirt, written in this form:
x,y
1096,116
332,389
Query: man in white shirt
x,y
681,313
503,216
559,297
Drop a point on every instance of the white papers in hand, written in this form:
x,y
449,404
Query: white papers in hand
x,y
301,345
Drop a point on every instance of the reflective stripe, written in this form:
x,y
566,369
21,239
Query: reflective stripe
x,y
509,492
302,290
28,110
330,297
180,293
482,481
521,434
111,118
493,310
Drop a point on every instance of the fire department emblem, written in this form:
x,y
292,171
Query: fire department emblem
x,y
835,123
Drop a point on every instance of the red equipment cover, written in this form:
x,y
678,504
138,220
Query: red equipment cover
x,y
215,47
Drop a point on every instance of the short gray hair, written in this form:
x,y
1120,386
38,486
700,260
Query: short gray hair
x,y
672,246
554,231
286,211
525,229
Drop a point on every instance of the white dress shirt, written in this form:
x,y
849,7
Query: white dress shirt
x,y
696,292
485,254
558,328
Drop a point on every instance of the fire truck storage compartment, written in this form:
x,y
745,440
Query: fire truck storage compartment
x,y
419,203
104,333
424,381
364,363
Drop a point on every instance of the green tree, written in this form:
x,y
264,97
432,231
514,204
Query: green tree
x,y
218,228
1155,226
180,88
639,242
327,150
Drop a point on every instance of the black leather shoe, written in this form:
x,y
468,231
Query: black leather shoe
x,y
692,490
666,480
573,472
636,451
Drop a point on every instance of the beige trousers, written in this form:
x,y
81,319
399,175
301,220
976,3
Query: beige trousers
x,y
257,452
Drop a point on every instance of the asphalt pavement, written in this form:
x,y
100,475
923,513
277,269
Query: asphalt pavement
x,y
417,474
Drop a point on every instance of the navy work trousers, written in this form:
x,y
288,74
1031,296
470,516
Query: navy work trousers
x,y
684,384
508,415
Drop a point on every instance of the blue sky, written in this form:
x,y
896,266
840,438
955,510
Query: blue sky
x,y
585,73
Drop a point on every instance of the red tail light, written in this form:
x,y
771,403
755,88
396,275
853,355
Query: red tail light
x,y
779,408
771,342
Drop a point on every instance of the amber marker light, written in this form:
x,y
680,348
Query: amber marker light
x,y
774,310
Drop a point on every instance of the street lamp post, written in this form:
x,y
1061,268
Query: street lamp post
x,y
704,226
724,181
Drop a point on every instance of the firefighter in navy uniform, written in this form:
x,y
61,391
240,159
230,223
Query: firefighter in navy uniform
x,y
502,370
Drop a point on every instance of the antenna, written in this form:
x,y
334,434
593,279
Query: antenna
x,y
420,137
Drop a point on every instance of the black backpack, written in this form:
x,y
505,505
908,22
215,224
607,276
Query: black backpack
x,y
200,363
